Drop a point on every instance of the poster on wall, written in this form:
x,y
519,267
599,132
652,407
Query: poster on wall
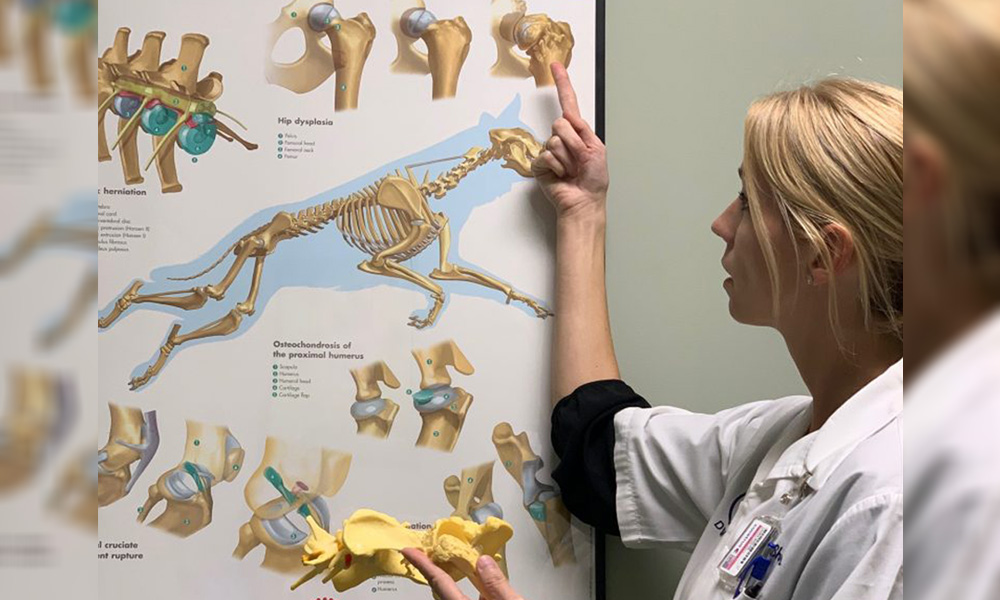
x,y
325,286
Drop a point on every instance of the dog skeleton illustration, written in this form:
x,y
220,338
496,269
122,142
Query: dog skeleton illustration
x,y
391,221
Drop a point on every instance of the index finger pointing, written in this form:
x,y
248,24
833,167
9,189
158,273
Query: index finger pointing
x,y
439,581
567,95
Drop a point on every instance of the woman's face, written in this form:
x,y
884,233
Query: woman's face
x,y
749,283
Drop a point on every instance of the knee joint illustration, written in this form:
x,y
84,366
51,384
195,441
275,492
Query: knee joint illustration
x,y
133,440
289,486
211,455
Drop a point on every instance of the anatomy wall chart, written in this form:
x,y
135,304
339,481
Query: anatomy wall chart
x,y
324,323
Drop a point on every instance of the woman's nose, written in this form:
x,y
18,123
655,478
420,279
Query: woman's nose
x,y
722,226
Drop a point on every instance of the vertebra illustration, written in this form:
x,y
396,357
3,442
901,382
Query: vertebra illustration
x,y
391,221
369,546
543,39
166,100
373,413
542,501
75,19
211,455
289,485
133,439
350,44
447,41
442,408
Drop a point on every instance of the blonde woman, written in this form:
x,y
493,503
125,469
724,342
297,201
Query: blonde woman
x,y
798,498
953,289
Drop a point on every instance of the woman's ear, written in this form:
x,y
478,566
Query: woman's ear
x,y
925,171
840,244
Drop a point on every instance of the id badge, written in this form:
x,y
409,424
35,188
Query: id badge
x,y
748,546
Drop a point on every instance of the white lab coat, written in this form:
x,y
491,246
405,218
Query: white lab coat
x,y
696,481
952,477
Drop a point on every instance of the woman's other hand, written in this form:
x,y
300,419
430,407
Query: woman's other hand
x,y
494,585
573,169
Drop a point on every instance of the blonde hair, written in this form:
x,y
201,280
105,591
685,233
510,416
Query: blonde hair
x,y
832,153
952,68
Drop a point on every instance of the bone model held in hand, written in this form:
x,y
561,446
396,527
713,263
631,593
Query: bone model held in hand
x,y
390,221
542,501
373,413
442,408
447,41
289,485
166,100
350,44
369,546
543,39
211,455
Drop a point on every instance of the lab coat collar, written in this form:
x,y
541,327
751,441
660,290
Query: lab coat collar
x,y
960,372
870,409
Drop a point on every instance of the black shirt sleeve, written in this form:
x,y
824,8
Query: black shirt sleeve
x,y
583,436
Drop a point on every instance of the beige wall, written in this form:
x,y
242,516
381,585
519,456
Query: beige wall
x,y
680,74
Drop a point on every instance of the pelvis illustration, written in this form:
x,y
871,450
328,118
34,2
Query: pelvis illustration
x,y
543,39
369,546
133,440
447,43
289,486
543,502
350,44
166,100
390,220
442,408
75,19
211,455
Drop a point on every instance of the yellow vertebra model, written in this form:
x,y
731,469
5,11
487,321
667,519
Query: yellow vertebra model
x,y
369,546
391,221
165,100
